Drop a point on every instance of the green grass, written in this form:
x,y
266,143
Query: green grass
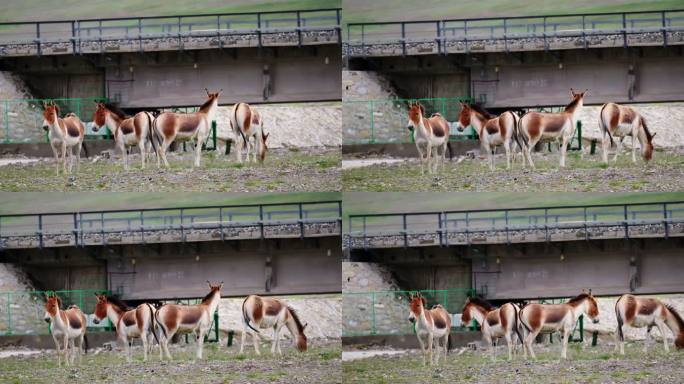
x,y
386,10
24,10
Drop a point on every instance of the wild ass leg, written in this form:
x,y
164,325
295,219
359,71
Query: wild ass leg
x,y
66,349
446,346
509,342
78,155
488,340
124,154
528,154
622,339
564,150
243,337
566,336
635,131
144,340
255,341
662,328
605,144
59,352
162,152
420,156
64,148
141,145
200,340
618,149
422,347
430,340
507,147
429,167
528,342
647,338
198,148
238,147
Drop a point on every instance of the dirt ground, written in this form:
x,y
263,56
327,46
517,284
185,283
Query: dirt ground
x,y
584,365
285,169
664,173
320,364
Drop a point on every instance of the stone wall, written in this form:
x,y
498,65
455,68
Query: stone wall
x,y
321,313
19,313
22,119
293,125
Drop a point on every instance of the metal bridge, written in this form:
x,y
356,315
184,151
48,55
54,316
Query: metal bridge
x,y
181,32
515,225
171,225
511,34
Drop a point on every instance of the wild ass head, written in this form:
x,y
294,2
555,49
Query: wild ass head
x,y
50,114
577,100
52,306
415,114
590,306
417,302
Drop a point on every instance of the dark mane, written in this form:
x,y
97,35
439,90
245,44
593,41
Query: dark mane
x,y
573,103
118,303
479,109
206,103
676,315
208,296
578,298
646,131
295,316
113,108
482,303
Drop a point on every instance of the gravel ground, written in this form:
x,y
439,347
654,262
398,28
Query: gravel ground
x,y
320,364
303,169
664,173
585,365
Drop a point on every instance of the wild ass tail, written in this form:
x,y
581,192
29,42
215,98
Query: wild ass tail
x,y
156,319
518,135
245,316
603,127
85,149
85,343
152,322
150,134
620,321
517,325
451,152
239,128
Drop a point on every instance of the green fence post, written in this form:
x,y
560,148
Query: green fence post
x,y
213,134
594,339
9,313
373,329
80,300
579,134
444,108
78,107
581,325
6,117
372,122
216,325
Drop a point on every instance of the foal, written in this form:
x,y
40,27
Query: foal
x,y
537,126
430,132
494,322
247,121
493,131
175,318
549,318
129,323
267,312
170,126
127,131
621,121
63,134
645,312
65,327
435,323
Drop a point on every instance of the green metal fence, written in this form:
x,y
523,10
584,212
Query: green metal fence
x,y
386,312
384,121
22,312
22,119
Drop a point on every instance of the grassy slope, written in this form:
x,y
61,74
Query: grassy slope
x,y
389,10
30,10
369,202
57,202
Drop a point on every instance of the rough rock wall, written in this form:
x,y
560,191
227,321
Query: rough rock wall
x,y
321,313
20,313
667,119
390,310
22,118
293,125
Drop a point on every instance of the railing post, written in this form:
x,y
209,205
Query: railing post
x,y
403,39
301,221
586,230
508,237
624,29
365,240
99,36
40,230
140,34
626,217
667,230
339,213
75,230
221,223
467,227
181,225
38,41
584,33
73,37
546,223
142,227
261,220
465,34
299,31
546,44
363,39
662,17
446,227
439,229
218,31
102,229
338,28
259,28
505,34
180,47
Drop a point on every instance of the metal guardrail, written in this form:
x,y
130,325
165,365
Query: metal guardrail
x,y
29,114
376,313
510,29
74,226
75,33
510,221
21,312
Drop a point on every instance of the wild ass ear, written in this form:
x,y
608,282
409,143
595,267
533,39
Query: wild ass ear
x,y
207,91
572,92
589,292
653,135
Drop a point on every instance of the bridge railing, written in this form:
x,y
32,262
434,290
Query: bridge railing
x,y
74,34
22,119
468,226
76,228
380,313
22,312
511,29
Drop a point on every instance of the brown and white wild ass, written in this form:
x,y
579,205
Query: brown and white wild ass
x,y
494,322
547,318
127,131
646,312
266,312
534,127
246,122
621,121
170,126
434,323
432,132
176,318
493,131
63,134
65,327
129,323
